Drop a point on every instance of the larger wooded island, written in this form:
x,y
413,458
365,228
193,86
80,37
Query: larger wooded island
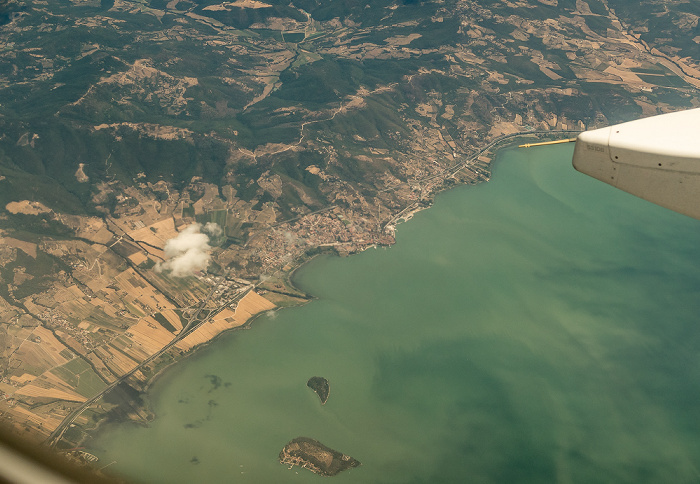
x,y
316,457
266,132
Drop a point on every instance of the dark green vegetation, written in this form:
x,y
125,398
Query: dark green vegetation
x,y
297,127
8,8
105,65
671,30
321,386
164,322
313,455
599,25
42,269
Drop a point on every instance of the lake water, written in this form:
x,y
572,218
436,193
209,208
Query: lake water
x,y
542,327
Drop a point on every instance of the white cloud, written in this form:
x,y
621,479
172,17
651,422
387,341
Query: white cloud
x,y
189,251
212,229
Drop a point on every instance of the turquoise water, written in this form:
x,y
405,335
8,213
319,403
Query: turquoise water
x,y
542,327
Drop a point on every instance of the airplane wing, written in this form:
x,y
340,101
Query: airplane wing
x,y
655,158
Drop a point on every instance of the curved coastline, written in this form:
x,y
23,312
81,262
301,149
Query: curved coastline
x,y
198,351
293,280
168,371
522,306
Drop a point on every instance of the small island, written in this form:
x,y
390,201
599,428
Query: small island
x,y
316,457
321,386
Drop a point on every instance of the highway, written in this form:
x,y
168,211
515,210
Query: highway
x,y
454,169
447,172
192,325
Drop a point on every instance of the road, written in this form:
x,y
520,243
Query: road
x,y
452,170
193,324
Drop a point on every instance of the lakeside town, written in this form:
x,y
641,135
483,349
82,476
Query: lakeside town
x,y
135,265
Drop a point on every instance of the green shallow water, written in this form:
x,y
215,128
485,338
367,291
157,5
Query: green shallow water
x,y
542,327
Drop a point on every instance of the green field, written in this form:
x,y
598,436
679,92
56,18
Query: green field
x,y
80,375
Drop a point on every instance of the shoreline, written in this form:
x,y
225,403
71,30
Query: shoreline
x,y
292,279
147,405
